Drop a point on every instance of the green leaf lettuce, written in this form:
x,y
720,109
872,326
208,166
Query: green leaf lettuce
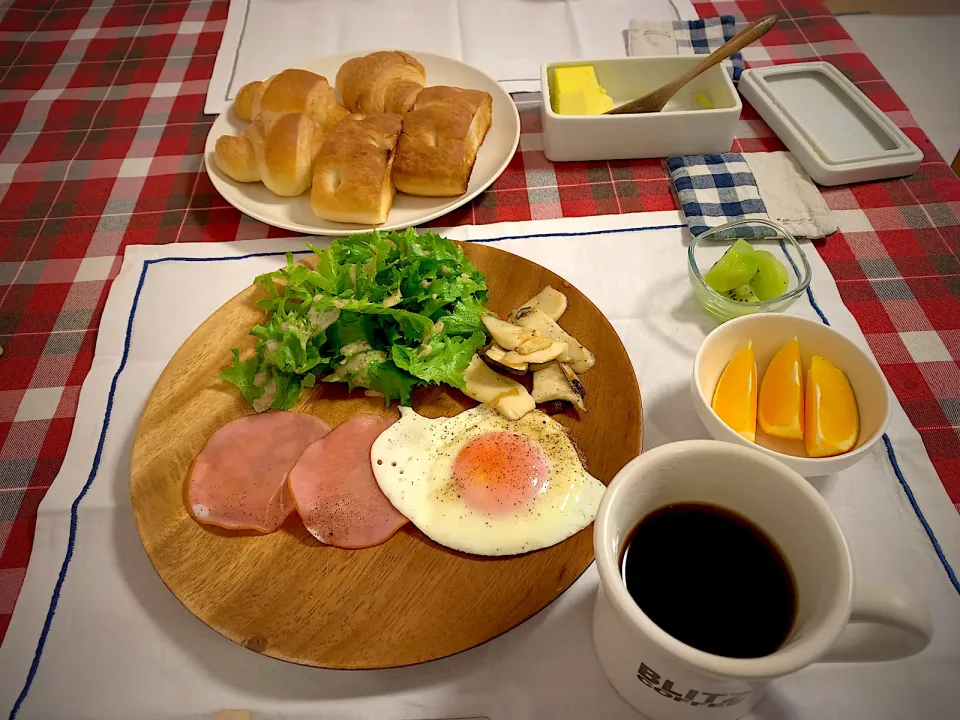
x,y
387,311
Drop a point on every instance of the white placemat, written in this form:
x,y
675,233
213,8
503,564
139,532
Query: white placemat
x,y
507,39
121,646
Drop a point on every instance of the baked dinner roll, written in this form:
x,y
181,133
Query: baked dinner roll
x,y
385,81
277,149
243,102
440,140
352,182
292,90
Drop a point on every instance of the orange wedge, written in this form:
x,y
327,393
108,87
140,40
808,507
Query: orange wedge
x,y
833,421
735,397
780,410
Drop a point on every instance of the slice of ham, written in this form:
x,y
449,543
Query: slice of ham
x,y
336,494
239,479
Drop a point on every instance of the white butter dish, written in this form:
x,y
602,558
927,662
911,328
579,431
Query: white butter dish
x,y
836,132
683,127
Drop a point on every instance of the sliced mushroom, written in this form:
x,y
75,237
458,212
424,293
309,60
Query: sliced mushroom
x,y
514,406
506,335
508,396
533,367
553,350
550,302
536,342
554,383
496,354
573,379
579,358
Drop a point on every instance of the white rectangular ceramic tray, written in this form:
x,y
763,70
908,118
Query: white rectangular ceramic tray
x,y
835,131
684,127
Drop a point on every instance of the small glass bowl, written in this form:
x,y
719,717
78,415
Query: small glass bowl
x,y
707,248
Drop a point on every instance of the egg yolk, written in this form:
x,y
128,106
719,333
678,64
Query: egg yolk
x,y
499,472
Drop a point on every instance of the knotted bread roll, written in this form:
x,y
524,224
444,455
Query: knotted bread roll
x,y
385,81
293,90
277,149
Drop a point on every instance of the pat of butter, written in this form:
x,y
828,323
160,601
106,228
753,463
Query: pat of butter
x,y
575,91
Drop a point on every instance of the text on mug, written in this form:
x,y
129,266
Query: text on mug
x,y
696,698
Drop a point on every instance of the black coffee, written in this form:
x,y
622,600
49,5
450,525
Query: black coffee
x,y
711,579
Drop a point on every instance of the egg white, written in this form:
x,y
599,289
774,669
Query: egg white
x,y
413,464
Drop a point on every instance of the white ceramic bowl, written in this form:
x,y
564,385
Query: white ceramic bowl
x,y
769,332
683,127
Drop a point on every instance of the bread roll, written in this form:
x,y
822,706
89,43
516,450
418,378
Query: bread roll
x,y
293,90
386,81
243,102
352,181
277,149
440,140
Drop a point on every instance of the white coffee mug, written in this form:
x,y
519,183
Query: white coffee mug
x,y
666,679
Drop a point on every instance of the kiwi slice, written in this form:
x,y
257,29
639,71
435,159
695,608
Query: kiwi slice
x,y
735,268
771,280
742,294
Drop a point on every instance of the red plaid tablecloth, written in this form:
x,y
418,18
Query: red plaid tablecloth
x,y
101,146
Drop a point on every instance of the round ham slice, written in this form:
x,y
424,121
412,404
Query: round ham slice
x,y
238,480
336,494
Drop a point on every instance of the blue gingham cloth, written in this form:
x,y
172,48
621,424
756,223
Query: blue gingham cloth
x,y
688,37
702,37
715,189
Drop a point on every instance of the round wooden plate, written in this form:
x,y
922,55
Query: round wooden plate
x,y
406,601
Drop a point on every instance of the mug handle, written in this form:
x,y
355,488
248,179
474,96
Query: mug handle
x,y
886,623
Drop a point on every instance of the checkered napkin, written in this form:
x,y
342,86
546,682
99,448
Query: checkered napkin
x,y
717,189
685,37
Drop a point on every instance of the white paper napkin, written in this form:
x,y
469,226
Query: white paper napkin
x,y
121,646
507,39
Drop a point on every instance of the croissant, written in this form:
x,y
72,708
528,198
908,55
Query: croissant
x,y
386,81
352,181
277,149
440,140
293,90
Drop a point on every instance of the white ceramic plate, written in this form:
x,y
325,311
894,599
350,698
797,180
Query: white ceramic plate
x,y
296,214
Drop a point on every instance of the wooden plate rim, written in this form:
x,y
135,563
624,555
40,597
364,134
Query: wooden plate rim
x,y
272,651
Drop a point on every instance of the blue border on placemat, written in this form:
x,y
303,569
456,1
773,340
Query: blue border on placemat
x,y
74,508
71,540
891,455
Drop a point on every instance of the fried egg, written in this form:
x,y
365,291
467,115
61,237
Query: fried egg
x,y
483,484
